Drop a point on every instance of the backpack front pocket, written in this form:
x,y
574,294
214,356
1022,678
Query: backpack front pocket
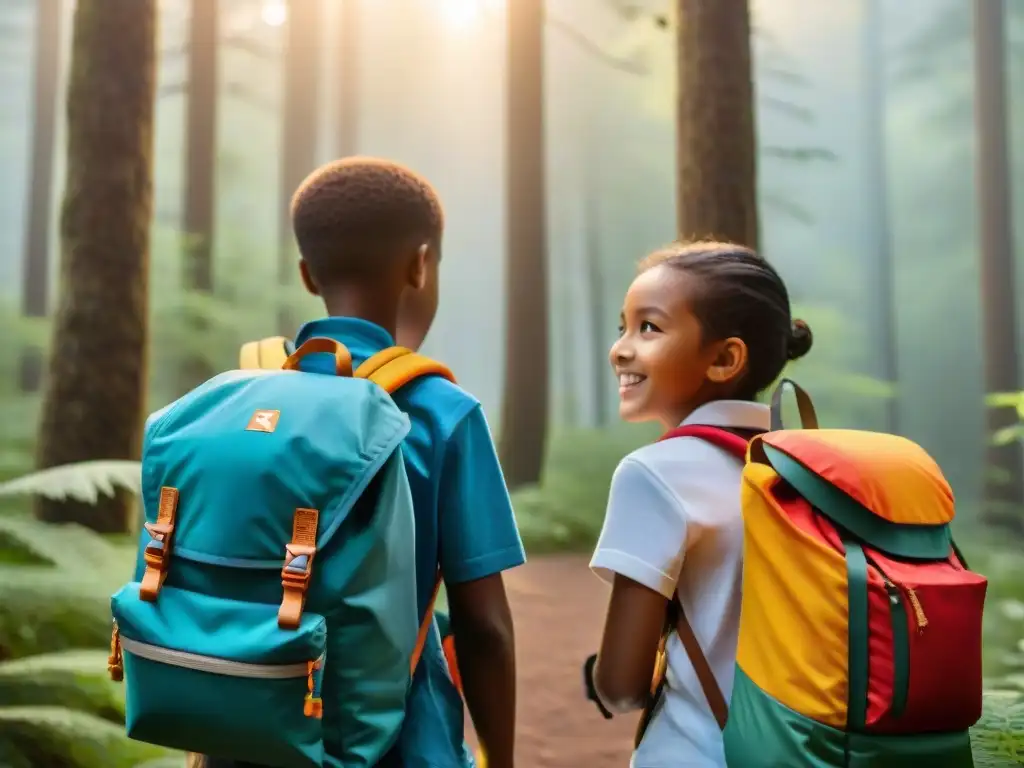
x,y
219,677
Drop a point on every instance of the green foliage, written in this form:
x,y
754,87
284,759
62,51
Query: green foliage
x,y
565,511
59,706
998,738
58,736
1014,432
85,481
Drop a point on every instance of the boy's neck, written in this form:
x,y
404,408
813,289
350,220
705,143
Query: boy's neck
x,y
356,302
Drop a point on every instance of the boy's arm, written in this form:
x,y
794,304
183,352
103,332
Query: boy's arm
x,y
479,539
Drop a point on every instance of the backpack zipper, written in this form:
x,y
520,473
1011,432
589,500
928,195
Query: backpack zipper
x,y
900,643
185,660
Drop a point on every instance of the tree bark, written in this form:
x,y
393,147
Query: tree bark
x,y
348,79
93,407
715,143
36,263
299,131
1005,491
524,418
200,169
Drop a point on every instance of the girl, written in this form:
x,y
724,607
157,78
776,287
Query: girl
x,y
704,329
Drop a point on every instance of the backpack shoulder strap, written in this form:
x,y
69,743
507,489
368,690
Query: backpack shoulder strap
x,y
395,367
391,369
705,675
267,354
723,438
737,446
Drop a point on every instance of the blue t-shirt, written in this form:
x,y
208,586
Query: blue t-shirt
x,y
464,522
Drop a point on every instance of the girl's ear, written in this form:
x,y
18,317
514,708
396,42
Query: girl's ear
x,y
729,362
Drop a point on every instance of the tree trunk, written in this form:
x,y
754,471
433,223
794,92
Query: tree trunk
x,y
93,408
348,79
715,143
1005,490
200,169
36,263
883,285
592,154
524,417
299,131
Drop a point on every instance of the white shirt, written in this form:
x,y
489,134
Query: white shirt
x,y
673,524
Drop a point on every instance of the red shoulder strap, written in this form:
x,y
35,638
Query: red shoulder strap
x,y
723,438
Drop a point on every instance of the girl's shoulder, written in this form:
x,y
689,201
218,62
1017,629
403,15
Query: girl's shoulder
x,y
675,463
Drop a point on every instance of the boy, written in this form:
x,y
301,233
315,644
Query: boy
x,y
369,234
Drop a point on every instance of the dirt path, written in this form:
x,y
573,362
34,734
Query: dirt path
x,y
559,608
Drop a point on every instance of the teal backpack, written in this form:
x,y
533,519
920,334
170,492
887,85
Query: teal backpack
x,y
272,617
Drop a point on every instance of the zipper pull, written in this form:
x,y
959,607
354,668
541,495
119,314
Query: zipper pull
x,y
894,593
115,661
922,620
313,706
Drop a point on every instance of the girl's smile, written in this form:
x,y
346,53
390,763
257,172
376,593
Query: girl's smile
x,y
658,359
629,382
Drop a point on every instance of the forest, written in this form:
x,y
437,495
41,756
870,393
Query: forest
x,y
869,148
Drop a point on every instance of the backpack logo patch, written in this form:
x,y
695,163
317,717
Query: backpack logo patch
x,y
263,421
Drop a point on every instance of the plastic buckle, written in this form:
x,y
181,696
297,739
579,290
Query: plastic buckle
x,y
158,547
298,565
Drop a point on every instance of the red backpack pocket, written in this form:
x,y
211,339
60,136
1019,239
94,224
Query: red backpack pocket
x,y
935,677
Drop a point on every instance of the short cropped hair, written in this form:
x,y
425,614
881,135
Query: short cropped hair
x,y
352,215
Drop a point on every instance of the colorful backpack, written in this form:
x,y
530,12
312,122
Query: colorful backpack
x,y
860,627
272,618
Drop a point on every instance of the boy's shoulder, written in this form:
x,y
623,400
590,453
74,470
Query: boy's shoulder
x,y
439,400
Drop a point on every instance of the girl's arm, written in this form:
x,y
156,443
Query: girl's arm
x,y
641,553
629,645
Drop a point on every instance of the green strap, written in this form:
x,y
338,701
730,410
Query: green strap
x,y
857,599
900,650
959,554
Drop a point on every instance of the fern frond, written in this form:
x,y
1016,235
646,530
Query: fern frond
x,y
33,736
998,738
175,761
84,481
46,609
77,680
70,547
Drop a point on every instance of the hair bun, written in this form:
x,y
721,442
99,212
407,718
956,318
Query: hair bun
x,y
800,340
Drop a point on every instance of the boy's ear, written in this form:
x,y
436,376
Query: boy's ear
x,y
729,362
307,278
418,267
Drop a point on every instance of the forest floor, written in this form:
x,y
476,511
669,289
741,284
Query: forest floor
x,y
559,607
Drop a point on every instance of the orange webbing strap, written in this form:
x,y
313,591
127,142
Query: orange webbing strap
x,y
391,369
158,551
425,625
395,367
267,354
382,358
298,565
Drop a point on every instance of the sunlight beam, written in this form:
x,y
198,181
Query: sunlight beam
x,y
274,13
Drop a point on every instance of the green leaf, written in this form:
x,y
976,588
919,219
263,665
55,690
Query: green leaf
x,y
74,679
1005,400
44,610
1007,435
998,738
72,547
57,736
84,481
